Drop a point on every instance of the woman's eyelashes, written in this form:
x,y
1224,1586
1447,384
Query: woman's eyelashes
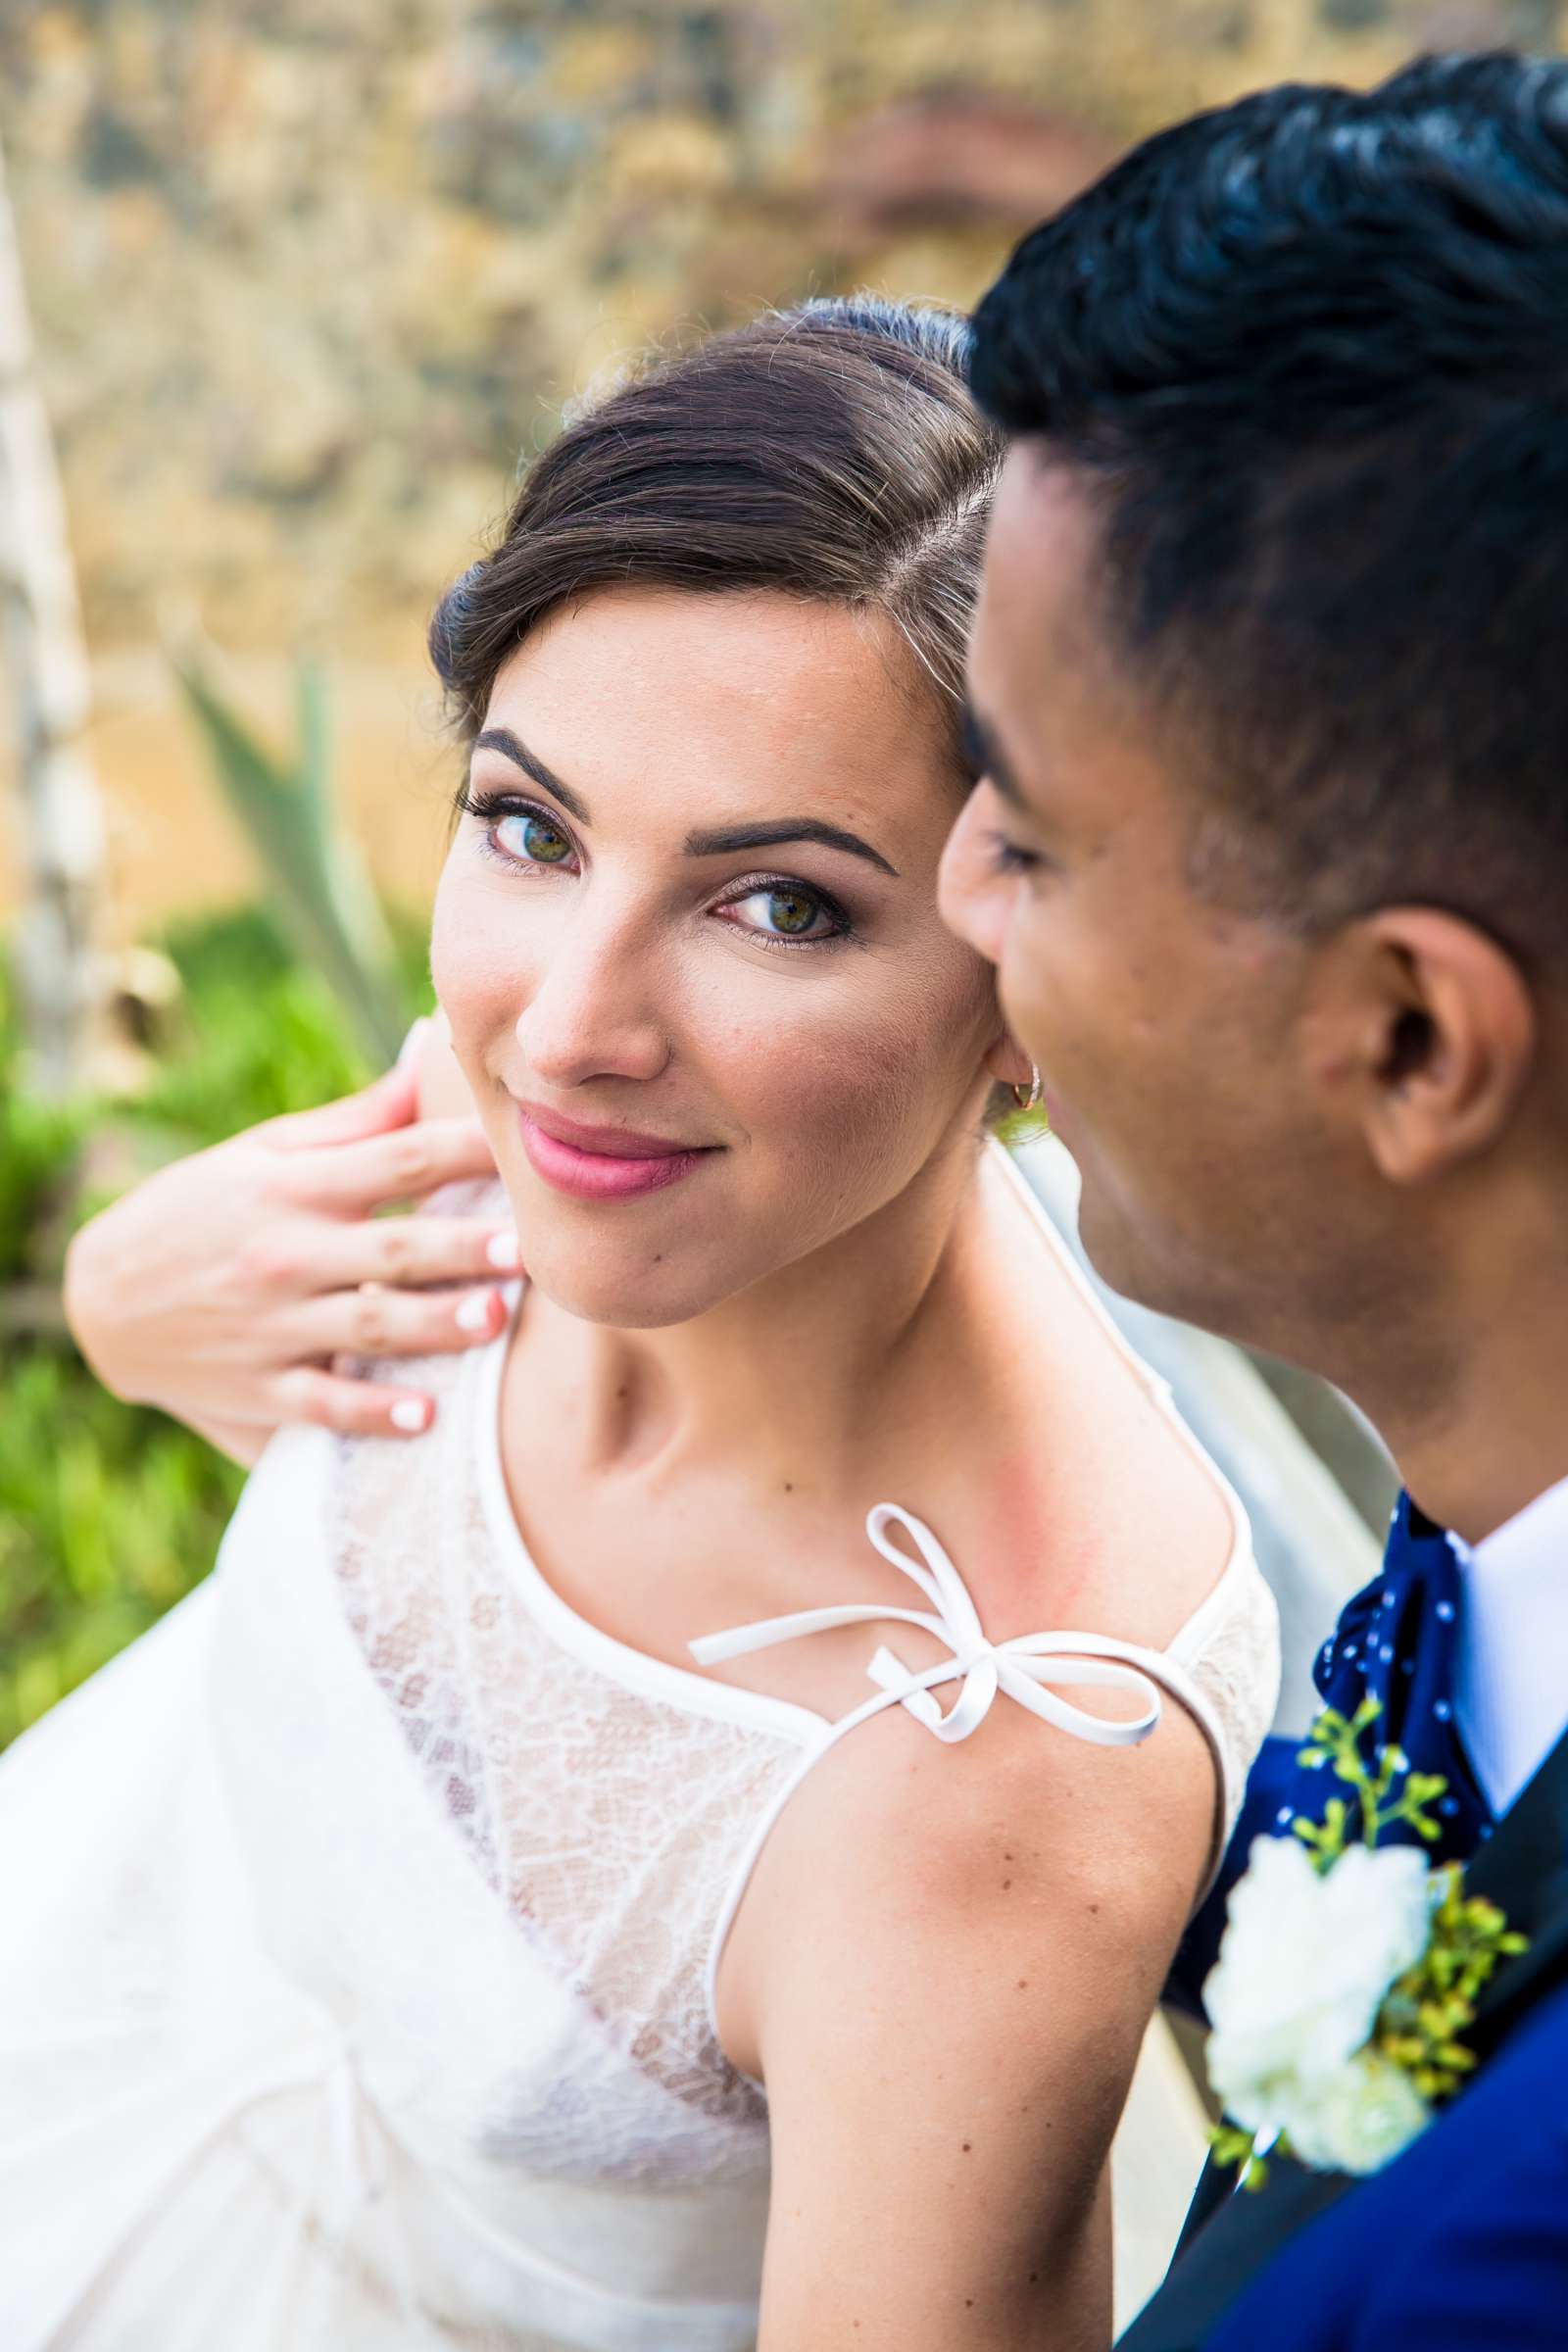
x,y
518,833
784,911
791,912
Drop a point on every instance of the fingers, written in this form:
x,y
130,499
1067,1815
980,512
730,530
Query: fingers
x,y
354,1407
389,1102
377,1323
413,1250
414,1044
403,1165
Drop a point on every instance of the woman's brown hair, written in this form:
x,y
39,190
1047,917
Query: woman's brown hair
x,y
831,452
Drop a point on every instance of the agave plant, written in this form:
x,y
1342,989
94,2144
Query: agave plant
x,y
316,878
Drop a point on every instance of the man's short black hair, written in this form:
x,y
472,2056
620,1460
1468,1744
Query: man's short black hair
x,y
1309,353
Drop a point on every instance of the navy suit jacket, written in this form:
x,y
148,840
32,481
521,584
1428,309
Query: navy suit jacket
x,y
1461,2244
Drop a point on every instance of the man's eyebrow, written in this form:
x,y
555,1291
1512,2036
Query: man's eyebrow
x,y
503,740
985,757
769,832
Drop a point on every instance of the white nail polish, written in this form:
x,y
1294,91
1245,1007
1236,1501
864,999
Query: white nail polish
x,y
408,1413
504,1249
474,1312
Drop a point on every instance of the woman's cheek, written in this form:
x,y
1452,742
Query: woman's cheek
x,y
838,1106
479,973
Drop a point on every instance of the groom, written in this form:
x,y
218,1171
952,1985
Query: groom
x,y
1270,695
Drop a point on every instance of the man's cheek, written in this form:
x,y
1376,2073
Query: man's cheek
x,y
1028,996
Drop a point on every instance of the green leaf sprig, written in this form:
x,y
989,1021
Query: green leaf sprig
x,y
1335,1741
1429,2007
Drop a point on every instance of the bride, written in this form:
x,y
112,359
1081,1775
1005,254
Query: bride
x,y
684,1855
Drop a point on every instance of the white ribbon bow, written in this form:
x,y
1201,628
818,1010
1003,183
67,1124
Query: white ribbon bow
x,y
1022,1667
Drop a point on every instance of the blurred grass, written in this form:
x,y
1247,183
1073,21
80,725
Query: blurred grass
x,y
109,1512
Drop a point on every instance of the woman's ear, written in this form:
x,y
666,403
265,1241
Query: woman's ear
x,y
1006,1063
1440,1039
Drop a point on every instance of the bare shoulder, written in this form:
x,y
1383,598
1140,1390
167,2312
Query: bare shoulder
x,y
946,1966
1019,1868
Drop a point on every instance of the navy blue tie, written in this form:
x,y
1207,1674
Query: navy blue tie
x,y
1398,1641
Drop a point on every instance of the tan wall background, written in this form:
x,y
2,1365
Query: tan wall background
x,y
309,275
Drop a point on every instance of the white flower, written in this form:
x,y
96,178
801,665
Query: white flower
x,y
1306,1962
1358,2120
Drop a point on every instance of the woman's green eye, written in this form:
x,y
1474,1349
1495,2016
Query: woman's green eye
x,y
791,910
544,842
782,911
541,842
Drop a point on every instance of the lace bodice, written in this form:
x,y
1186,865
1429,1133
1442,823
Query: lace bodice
x,y
606,1819
615,1804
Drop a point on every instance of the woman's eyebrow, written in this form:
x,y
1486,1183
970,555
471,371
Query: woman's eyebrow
x,y
725,838
784,828
503,740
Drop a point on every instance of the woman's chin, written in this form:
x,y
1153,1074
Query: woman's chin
x,y
626,1297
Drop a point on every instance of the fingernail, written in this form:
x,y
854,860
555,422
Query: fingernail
x,y
505,1250
409,1413
474,1312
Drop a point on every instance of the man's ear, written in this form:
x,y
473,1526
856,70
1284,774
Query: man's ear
x,y
1439,1029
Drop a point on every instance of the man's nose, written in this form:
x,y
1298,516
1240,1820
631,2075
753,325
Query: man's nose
x,y
969,894
595,1011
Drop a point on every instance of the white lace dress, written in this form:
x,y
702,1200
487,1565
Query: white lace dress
x,y
356,1929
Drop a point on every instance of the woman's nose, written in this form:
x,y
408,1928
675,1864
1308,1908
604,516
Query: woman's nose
x,y
593,1013
971,894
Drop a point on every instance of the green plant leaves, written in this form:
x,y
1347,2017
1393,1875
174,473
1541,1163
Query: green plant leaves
x,y
316,880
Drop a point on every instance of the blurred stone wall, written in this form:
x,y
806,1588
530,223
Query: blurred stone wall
x,y
309,276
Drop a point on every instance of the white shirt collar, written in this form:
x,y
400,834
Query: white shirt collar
x,y
1512,1680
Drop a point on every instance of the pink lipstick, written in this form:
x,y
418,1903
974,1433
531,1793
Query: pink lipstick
x,y
602,1163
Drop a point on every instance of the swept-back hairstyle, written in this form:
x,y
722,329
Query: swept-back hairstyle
x,y
1309,355
831,452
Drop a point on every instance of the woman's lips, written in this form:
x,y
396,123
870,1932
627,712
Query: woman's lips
x,y
612,1167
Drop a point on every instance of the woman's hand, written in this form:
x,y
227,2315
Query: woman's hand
x,y
225,1287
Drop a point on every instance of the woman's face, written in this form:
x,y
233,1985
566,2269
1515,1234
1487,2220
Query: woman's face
x,y
687,939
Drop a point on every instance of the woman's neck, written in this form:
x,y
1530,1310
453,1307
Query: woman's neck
x,y
795,1378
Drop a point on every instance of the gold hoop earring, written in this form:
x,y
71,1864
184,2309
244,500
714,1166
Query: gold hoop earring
x,y
1030,1096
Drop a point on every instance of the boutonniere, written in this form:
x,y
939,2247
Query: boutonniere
x,y
1348,1973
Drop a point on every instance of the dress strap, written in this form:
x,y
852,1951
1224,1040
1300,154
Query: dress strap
x,y
1023,1667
